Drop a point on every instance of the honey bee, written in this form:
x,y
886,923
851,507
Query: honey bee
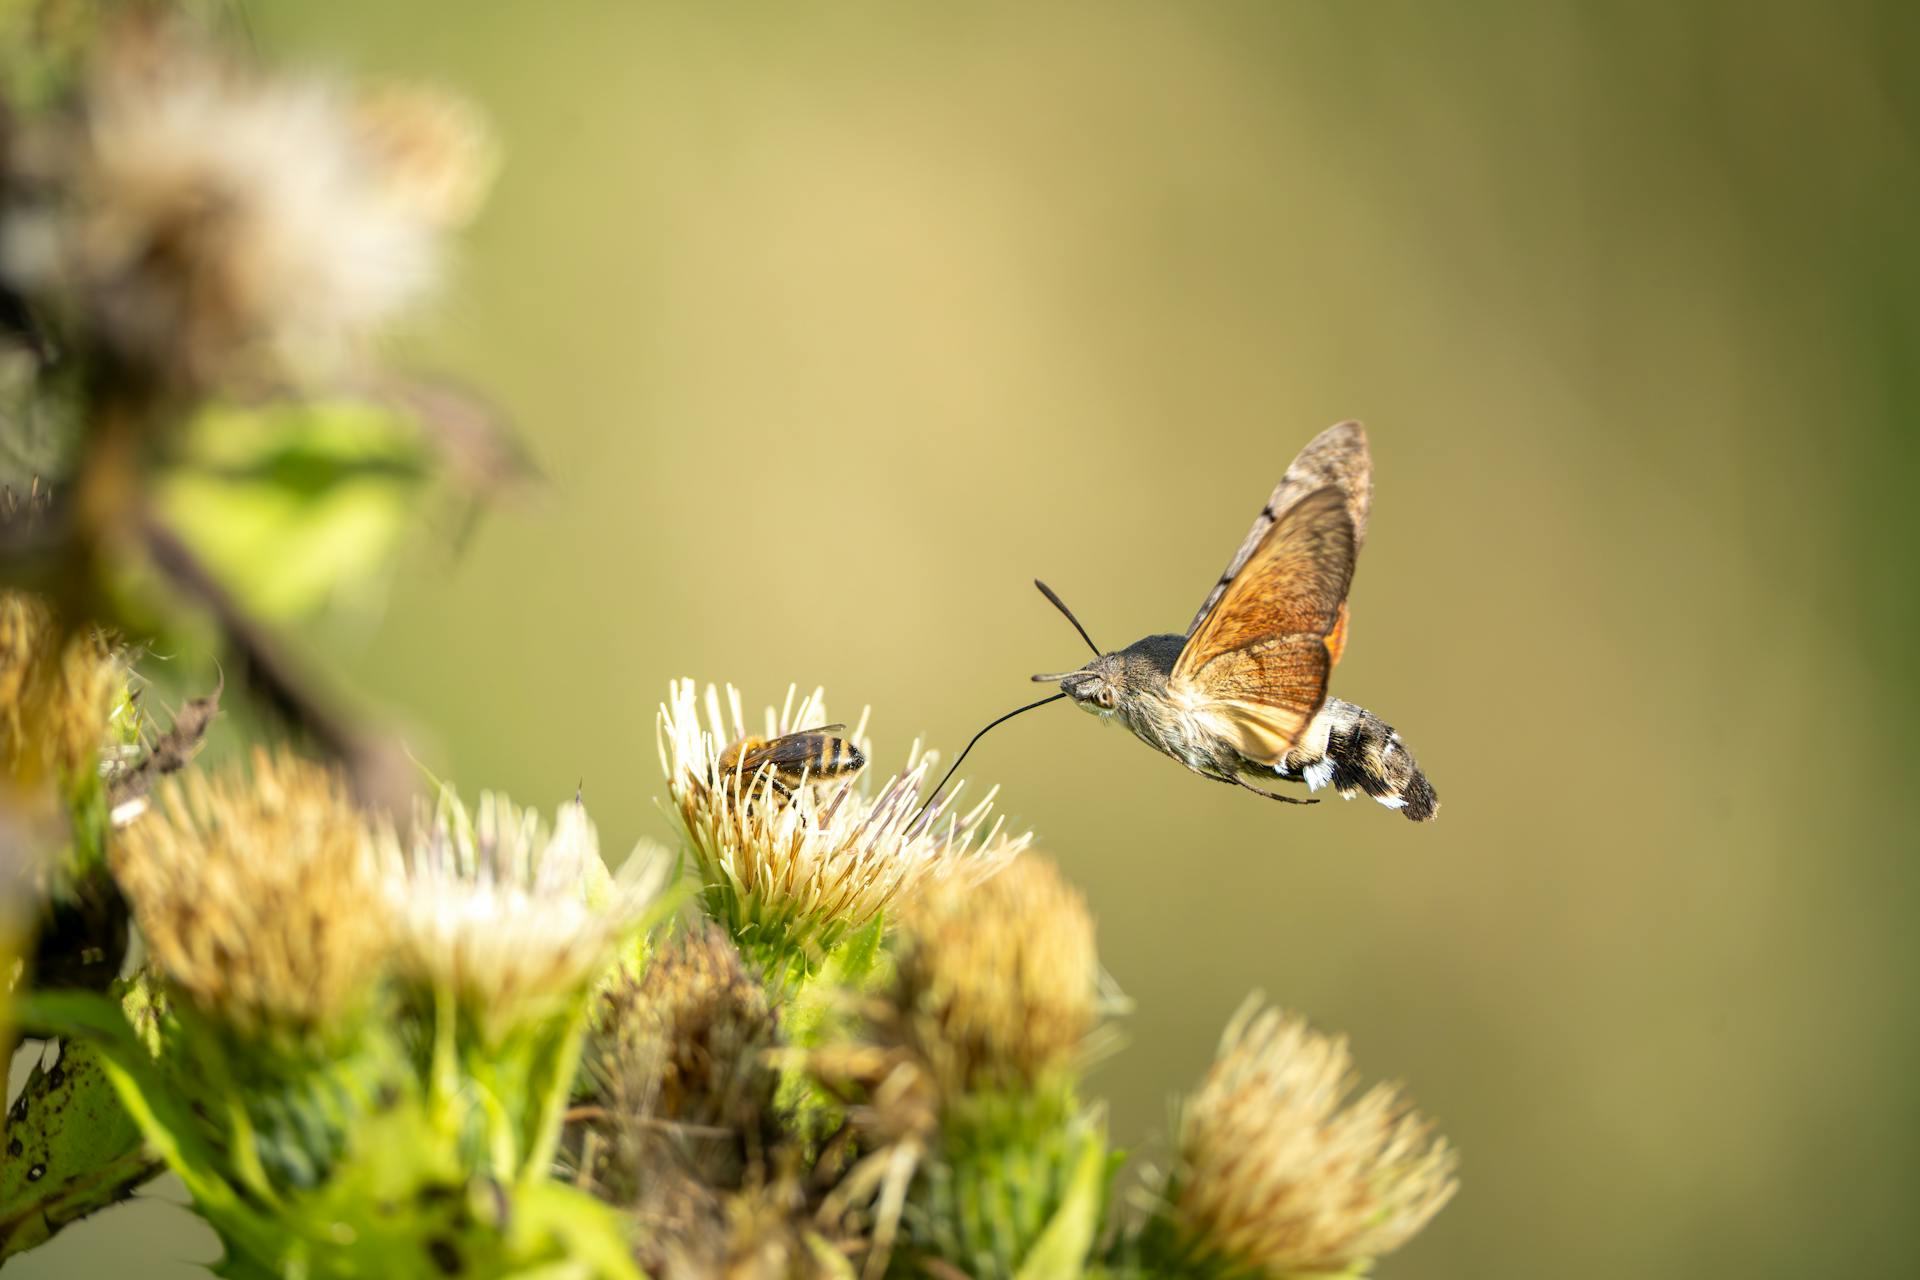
x,y
792,760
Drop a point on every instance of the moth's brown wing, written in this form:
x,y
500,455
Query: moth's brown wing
x,y
1337,456
1256,667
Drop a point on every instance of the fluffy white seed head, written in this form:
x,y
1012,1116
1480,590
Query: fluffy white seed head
x,y
206,222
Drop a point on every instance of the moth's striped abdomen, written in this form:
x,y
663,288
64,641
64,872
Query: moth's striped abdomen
x,y
1361,753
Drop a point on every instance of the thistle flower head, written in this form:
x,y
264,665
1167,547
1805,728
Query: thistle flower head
x,y
679,1056
205,221
258,895
1279,1177
58,691
509,917
689,1231
1002,978
802,870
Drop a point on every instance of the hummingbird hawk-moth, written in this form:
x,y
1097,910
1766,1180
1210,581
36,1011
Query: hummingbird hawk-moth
x,y
1243,693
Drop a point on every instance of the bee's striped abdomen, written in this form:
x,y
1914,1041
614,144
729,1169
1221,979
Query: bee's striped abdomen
x,y
837,756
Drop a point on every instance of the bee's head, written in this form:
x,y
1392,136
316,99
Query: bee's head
x,y
1094,687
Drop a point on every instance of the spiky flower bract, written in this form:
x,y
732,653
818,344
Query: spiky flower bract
x,y
259,897
1281,1175
793,877
204,222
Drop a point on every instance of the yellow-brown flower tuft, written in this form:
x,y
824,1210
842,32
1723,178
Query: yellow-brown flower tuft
x,y
58,691
1278,1177
1001,978
259,895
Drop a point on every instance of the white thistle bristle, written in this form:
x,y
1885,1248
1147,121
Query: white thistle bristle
x,y
510,918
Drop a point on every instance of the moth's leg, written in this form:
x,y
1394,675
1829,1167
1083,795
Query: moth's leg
x,y
1272,795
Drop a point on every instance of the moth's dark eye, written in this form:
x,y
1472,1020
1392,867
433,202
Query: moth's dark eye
x,y
1105,698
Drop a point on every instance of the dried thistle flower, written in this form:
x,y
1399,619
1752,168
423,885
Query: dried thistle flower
x,y
1280,1178
692,1232
792,879
511,919
206,222
680,1058
58,691
1001,978
259,895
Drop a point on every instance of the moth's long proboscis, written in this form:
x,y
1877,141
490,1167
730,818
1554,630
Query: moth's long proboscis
x,y
935,793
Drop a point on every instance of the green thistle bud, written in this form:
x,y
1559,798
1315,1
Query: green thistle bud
x,y
258,894
502,926
978,1143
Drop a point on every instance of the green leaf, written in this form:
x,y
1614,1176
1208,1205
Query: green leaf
x,y
291,503
72,1149
1061,1251
161,1116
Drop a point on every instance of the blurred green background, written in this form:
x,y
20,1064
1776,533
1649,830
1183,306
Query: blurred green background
x,y
830,327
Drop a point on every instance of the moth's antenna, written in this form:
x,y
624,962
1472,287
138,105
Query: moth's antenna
x,y
1061,605
932,795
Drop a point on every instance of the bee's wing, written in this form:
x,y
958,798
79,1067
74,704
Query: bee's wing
x,y
1257,658
793,751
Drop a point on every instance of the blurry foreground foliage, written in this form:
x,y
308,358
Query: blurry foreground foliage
x,y
376,1033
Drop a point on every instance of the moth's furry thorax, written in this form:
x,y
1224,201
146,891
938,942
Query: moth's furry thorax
x,y
1132,685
